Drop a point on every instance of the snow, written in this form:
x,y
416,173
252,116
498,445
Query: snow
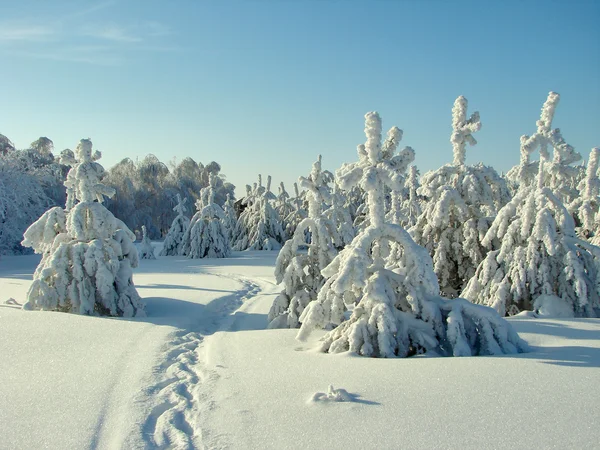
x,y
202,371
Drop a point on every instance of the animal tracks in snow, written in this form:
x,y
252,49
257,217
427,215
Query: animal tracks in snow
x,y
183,392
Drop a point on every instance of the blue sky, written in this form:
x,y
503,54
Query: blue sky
x,y
266,86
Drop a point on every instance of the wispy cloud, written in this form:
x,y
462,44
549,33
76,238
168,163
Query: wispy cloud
x,y
99,42
94,57
138,32
113,33
25,32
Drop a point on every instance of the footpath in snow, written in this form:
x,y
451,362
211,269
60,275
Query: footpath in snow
x,y
201,371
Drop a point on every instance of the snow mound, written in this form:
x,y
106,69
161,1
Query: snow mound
x,y
552,306
333,395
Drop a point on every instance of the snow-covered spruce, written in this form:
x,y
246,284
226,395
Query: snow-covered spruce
x,y
461,204
259,225
229,217
207,235
585,207
300,271
397,309
88,254
339,215
410,208
172,243
298,213
540,260
559,174
146,250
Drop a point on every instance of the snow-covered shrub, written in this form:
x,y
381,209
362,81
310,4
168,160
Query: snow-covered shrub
x,y
172,243
298,270
146,250
397,310
206,235
88,254
259,225
539,255
461,203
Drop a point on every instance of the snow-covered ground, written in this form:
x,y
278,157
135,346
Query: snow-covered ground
x,y
201,371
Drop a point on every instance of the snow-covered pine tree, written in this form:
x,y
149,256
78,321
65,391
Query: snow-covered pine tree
x,y
397,310
560,175
297,215
585,207
229,217
172,243
461,204
410,208
540,265
339,215
283,205
300,271
88,253
146,250
259,225
207,235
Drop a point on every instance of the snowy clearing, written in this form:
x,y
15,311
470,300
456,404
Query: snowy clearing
x,y
202,371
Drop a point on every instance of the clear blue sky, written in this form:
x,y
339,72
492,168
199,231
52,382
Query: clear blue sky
x,y
265,86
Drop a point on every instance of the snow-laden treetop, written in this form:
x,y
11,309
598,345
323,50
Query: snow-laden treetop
x,y
316,184
180,208
376,166
542,137
463,129
592,184
546,136
83,180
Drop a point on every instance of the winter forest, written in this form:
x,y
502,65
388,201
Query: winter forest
x,y
374,259
377,237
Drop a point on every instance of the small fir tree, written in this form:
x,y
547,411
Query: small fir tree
x,y
339,215
146,250
259,226
585,207
172,243
298,213
300,271
229,217
461,204
206,235
88,253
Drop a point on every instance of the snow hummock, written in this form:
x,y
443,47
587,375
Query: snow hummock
x,y
332,395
